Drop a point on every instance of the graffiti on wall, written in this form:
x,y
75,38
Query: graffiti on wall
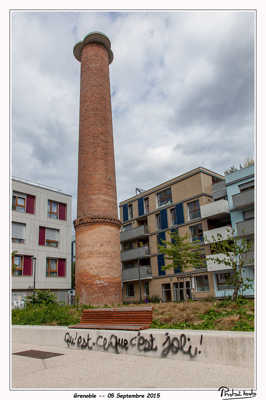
x,y
170,345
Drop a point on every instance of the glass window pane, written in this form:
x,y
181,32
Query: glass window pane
x,y
20,201
17,260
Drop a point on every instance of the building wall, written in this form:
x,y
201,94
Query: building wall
x,y
194,185
233,181
31,245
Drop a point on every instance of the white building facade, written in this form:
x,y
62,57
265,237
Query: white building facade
x,y
41,234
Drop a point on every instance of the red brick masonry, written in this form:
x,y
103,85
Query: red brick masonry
x,y
98,270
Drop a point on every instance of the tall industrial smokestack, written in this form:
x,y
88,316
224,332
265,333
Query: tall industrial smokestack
x,y
98,268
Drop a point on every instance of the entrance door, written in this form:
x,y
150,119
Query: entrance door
x,y
182,291
188,290
166,292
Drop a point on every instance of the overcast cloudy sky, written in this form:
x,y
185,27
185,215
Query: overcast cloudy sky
x,y
182,88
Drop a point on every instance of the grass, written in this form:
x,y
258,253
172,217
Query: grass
x,y
210,314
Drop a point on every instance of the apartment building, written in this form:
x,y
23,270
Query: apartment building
x,y
41,240
240,187
231,213
219,227
148,218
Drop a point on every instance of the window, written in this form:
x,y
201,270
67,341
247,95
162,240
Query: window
x,y
196,233
18,232
55,267
193,209
23,203
48,237
18,266
146,289
127,246
158,221
202,283
130,290
146,205
224,280
56,210
130,211
164,197
173,216
21,265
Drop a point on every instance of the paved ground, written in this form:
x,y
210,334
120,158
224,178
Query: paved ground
x,y
77,369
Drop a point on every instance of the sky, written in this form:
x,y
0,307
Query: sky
x,y
182,88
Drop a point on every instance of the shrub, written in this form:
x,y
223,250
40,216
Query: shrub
x,y
45,314
41,297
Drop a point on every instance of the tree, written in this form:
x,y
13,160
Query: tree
x,y
233,252
247,163
182,253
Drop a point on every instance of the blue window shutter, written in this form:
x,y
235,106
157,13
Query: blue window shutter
x,y
141,206
177,269
160,237
164,222
125,212
174,230
179,214
160,264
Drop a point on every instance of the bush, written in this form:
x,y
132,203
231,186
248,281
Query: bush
x,y
45,314
41,297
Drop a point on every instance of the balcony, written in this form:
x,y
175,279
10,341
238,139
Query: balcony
x,y
134,254
222,233
216,208
219,190
243,200
245,228
249,258
135,273
213,266
134,233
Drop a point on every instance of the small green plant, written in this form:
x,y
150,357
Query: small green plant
x,y
41,297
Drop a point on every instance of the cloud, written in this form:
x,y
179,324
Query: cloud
x,y
182,88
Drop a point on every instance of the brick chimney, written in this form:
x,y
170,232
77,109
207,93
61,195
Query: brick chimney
x,y
98,268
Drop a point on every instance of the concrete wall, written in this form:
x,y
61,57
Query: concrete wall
x,y
226,348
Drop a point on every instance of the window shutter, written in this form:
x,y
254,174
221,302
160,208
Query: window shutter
x,y
30,204
164,222
160,237
125,212
179,214
61,267
160,258
18,230
27,268
41,236
51,234
62,211
141,206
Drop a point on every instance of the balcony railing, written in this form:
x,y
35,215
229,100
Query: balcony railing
x,y
218,208
222,233
214,266
243,200
249,258
134,233
134,254
135,273
245,228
